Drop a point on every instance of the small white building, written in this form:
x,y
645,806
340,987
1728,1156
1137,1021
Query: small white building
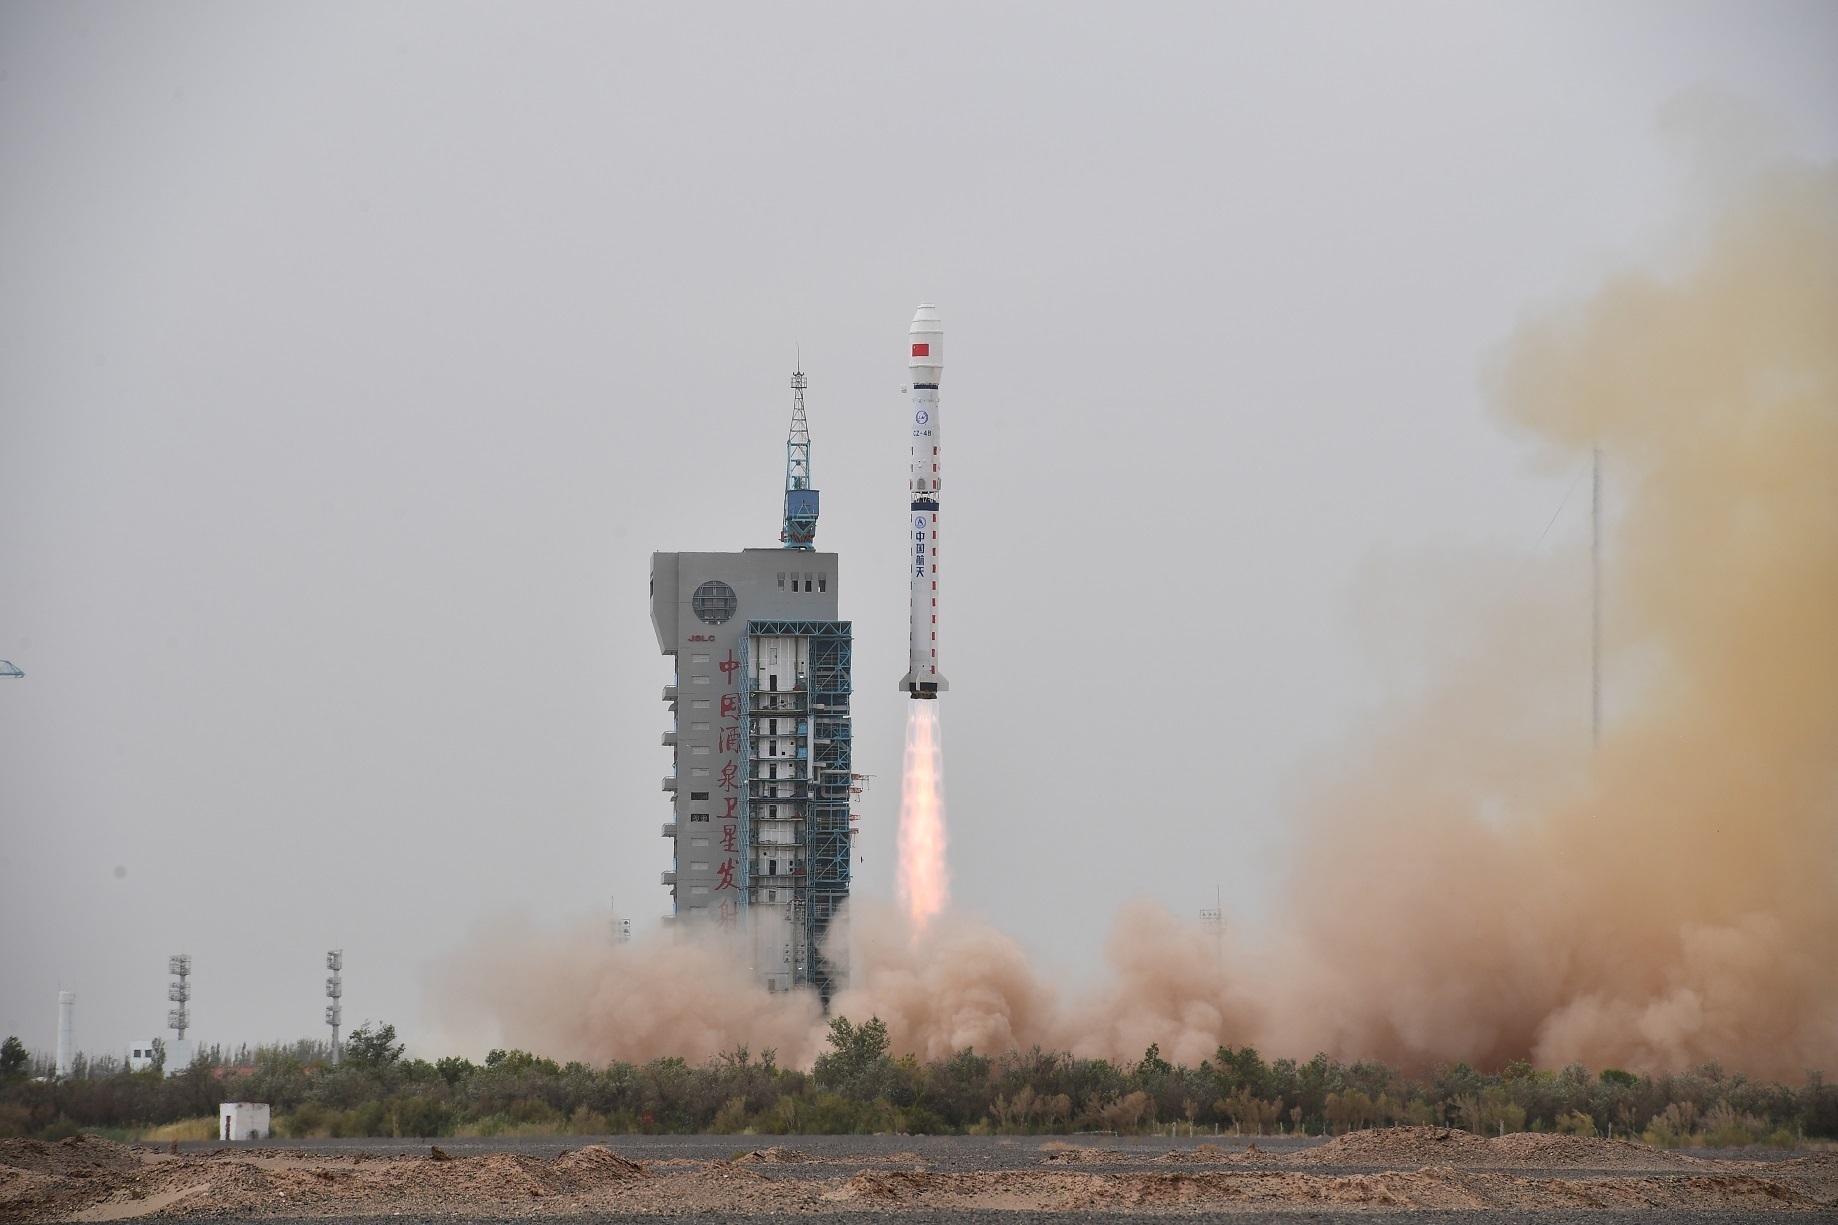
x,y
140,1056
243,1121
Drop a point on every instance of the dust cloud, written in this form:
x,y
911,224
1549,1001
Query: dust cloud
x,y
575,994
1473,881
1477,889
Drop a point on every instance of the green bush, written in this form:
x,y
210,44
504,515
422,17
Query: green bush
x,y
858,1085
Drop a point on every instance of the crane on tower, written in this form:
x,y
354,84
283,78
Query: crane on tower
x,y
800,530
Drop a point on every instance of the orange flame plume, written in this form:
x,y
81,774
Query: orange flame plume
x,y
925,883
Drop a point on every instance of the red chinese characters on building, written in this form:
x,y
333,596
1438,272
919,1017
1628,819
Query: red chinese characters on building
x,y
728,745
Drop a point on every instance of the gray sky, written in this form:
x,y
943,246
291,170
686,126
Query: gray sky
x,y
353,359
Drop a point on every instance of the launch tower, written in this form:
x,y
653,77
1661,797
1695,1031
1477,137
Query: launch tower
x,y
760,737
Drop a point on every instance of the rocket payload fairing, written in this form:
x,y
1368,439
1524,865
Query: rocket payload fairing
x,y
926,366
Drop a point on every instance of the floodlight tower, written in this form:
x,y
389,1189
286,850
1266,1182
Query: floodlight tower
x,y
800,530
335,991
178,1055
179,966
1212,920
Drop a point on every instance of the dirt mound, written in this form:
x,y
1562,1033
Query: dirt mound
x,y
1077,1154
24,1192
76,1155
1532,1150
1397,1146
1812,1163
94,1180
776,1155
597,1164
492,1173
888,1186
1211,1154
1416,1147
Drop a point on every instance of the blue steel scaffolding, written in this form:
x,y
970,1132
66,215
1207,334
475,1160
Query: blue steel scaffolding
x,y
814,785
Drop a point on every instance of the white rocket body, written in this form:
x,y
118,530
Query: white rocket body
x,y
925,367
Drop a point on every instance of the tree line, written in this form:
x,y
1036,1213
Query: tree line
x,y
858,1086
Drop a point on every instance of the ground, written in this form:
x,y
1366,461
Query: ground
x,y
1452,1176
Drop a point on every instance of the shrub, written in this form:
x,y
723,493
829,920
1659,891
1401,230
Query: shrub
x,y
1576,1123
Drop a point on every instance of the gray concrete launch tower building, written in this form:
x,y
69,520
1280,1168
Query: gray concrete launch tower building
x,y
761,736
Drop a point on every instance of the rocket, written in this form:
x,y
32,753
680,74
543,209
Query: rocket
x,y
925,366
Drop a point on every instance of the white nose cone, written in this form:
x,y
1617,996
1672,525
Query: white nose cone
x,y
926,365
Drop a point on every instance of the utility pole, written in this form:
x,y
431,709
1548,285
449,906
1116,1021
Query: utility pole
x,y
1595,626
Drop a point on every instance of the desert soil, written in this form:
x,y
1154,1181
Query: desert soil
x,y
1452,1175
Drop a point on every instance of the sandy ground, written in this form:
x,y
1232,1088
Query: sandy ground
x,y
1452,1175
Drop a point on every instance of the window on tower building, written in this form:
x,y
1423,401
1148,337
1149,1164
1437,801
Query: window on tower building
x,y
713,602
823,581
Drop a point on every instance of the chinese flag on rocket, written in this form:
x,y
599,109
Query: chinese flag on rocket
x,y
922,350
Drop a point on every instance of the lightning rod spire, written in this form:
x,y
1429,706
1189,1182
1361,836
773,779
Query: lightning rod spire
x,y
800,530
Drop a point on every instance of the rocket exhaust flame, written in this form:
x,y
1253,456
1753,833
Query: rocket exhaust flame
x,y
925,884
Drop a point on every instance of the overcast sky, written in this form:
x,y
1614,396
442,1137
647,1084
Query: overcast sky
x,y
353,360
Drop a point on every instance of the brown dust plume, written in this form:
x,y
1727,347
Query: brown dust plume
x,y
1474,882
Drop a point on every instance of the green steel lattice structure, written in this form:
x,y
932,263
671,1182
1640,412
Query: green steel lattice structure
x,y
818,786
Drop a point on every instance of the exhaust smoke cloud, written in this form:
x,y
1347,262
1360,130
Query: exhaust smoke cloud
x,y
1473,882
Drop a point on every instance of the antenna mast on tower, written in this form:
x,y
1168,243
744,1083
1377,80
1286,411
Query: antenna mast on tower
x,y
800,530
